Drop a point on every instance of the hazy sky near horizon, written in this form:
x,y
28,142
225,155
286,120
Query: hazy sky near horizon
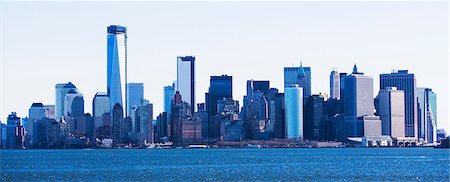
x,y
44,43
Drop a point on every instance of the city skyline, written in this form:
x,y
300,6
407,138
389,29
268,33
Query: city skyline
x,y
206,66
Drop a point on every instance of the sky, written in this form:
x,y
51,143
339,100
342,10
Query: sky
x,y
44,43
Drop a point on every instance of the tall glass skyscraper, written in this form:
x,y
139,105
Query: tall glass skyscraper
x,y
186,79
169,92
135,94
427,120
294,111
117,64
407,82
300,76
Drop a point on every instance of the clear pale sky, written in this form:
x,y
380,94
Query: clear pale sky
x,y
54,42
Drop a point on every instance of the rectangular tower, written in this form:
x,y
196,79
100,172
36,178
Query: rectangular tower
x,y
407,82
186,80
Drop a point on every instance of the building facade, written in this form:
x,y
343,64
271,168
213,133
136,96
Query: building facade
x,y
405,81
185,83
391,109
335,85
135,94
300,76
116,65
427,115
294,112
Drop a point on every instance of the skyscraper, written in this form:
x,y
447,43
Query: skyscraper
x,y
117,123
220,87
300,76
335,86
359,102
116,65
313,117
392,112
100,106
135,94
36,111
294,111
186,79
427,120
61,90
169,92
255,112
74,104
407,82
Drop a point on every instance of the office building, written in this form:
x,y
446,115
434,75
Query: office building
x,y
300,76
294,112
15,132
313,117
135,94
391,109
50,111
220,88
117,124
255,112
335,85
358,102
100,106
73,104
116,65
61,90
169,92
162,128
405,81
185,83
427,119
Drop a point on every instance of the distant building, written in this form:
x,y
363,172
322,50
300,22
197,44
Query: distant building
x,y
391,110
335,85
117,124
294,112
300,76
255,112
220,88
407,82
169,92
50,111
15,132
313,117
162,128
180,112
100,106
135,94
358,102
186,79
116,65
427,115
61,90
73,104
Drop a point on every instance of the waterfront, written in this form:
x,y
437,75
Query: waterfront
x,y
331,164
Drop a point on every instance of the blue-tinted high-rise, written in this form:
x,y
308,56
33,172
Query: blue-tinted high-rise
x,y
117,64
186,79
407,82
300,76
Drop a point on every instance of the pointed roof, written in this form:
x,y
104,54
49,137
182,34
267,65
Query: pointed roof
x,y
355,69
301,71
69,85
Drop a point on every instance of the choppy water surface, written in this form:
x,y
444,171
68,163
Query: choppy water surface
x,y
343,164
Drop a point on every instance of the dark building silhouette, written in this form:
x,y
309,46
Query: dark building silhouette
x,y
313,117
117,124
220,88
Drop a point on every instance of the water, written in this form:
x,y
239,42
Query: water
x,y
340,164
